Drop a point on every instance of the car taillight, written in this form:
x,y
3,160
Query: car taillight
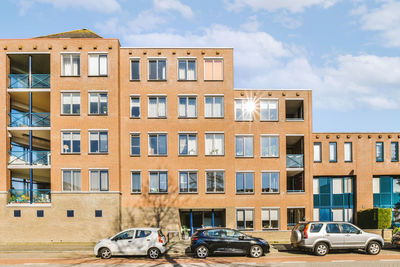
x,y
195,238
160,239
305,231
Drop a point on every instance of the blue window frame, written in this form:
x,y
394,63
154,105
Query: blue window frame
x,y
379,151
135,144
98,141
332,152
157,144
395,151
136,182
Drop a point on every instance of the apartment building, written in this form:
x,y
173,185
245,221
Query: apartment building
x,y
98,137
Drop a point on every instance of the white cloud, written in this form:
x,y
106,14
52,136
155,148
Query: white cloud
x,y
290,5
173,5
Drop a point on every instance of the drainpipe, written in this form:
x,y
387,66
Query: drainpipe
x,y
30,134
212,217
191,223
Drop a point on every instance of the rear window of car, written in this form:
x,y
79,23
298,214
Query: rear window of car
x,y
315,227
142,233
215,233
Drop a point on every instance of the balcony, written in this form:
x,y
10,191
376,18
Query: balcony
x,y
21,158
23,196
21,119
295,161
29,81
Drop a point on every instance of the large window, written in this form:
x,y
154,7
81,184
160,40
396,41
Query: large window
x,y
214,107
99,180
158,144
295,215
269,146
215,181
136,182
270,182
70,64
157,107
187,107
158,182
71,180
332,152
214,144
379,151
395,151
158,69
98,65
187,69
245,182
213,69
244,109
245,218
268,110
135,144
135,107
270,218
188,182
187,144
71,103
244,146
317,152
98,141
98,103
71,142
348,152
135,69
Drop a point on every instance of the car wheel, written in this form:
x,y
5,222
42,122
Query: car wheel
x,y
373,248
201,252
153,253
256,251
105,253
321,249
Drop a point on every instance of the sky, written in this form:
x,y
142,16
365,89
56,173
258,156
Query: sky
x,y
346,51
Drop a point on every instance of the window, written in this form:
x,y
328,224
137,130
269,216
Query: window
x,y
316,214
270,218
98,213
294,110
269,146
244,109
98,65
332,152
244,146
396,185
70,64
337,186
135,107
315,186
187,69
244,182
295,215
215,181
270,182
157,144
17,213
157,69
157,107
136,182
70,213
188,144
142,233
348,185
214,144
187,181
71,180
213,69
125,235
214,107
71,103
376,185
317,152
71,142
348,153
268,110
98,141
245,218
135,144
379,151
158,182
40,213
395,151
187,107
348,228
98,103
135,69
99,180
337,215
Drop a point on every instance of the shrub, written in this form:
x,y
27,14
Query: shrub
x,y
376,218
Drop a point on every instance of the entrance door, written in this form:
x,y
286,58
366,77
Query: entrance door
x,y
197,220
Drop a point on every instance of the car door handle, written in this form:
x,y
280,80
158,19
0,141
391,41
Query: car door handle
x,y
129,241
147,239
327,235
347,235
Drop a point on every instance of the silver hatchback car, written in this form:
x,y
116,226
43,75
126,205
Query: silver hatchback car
x,y
320,237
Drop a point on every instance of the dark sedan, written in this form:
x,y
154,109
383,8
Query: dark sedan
x,y
226,241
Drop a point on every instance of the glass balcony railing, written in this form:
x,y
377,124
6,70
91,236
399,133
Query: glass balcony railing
x,y
23,81
39,158
23,196
295,161
21,119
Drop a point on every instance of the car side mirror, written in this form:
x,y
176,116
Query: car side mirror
x,y
114,239
359,232
241,237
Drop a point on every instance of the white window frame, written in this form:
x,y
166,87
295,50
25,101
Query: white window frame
x,y
187,68
242,107
158,116
72,180
157,59
244,136
187,107
317,154
244,183
187,138
188,174
71,55
71,132
98,113
98,72
130,152
140,181
213,106
131,105
269,145
269,211
213,144
215,181
158,145
270,178
158,175
98,134
130,68
244,218
71,94
90,180
269,109
213,72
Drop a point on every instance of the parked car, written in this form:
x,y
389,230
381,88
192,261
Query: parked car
x,y
226,241
134,241
396,239
321,237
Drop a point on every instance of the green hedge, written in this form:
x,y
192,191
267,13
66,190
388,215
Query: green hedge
x,y
376,218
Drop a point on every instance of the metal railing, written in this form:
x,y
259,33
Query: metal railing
x,y
294,161
21,119
23,196
23,81
22,158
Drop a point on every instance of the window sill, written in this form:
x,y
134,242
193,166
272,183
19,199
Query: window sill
x,y
103,76
245,193
157,155
158,193
134,80
214,118
244,157
295,192
70,76
187,117
218,193
318,161
134,156
98,153
62,114
271,157
97,114
183,80
244,120
213,80
136,193
157,117
188,193
270,193
215,155
71,153
135,118
184,155
156,80
291,120
269,120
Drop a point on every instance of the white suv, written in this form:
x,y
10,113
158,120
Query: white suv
x,y
134,241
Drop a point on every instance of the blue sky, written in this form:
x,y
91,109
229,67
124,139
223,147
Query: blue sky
x,y
347,51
